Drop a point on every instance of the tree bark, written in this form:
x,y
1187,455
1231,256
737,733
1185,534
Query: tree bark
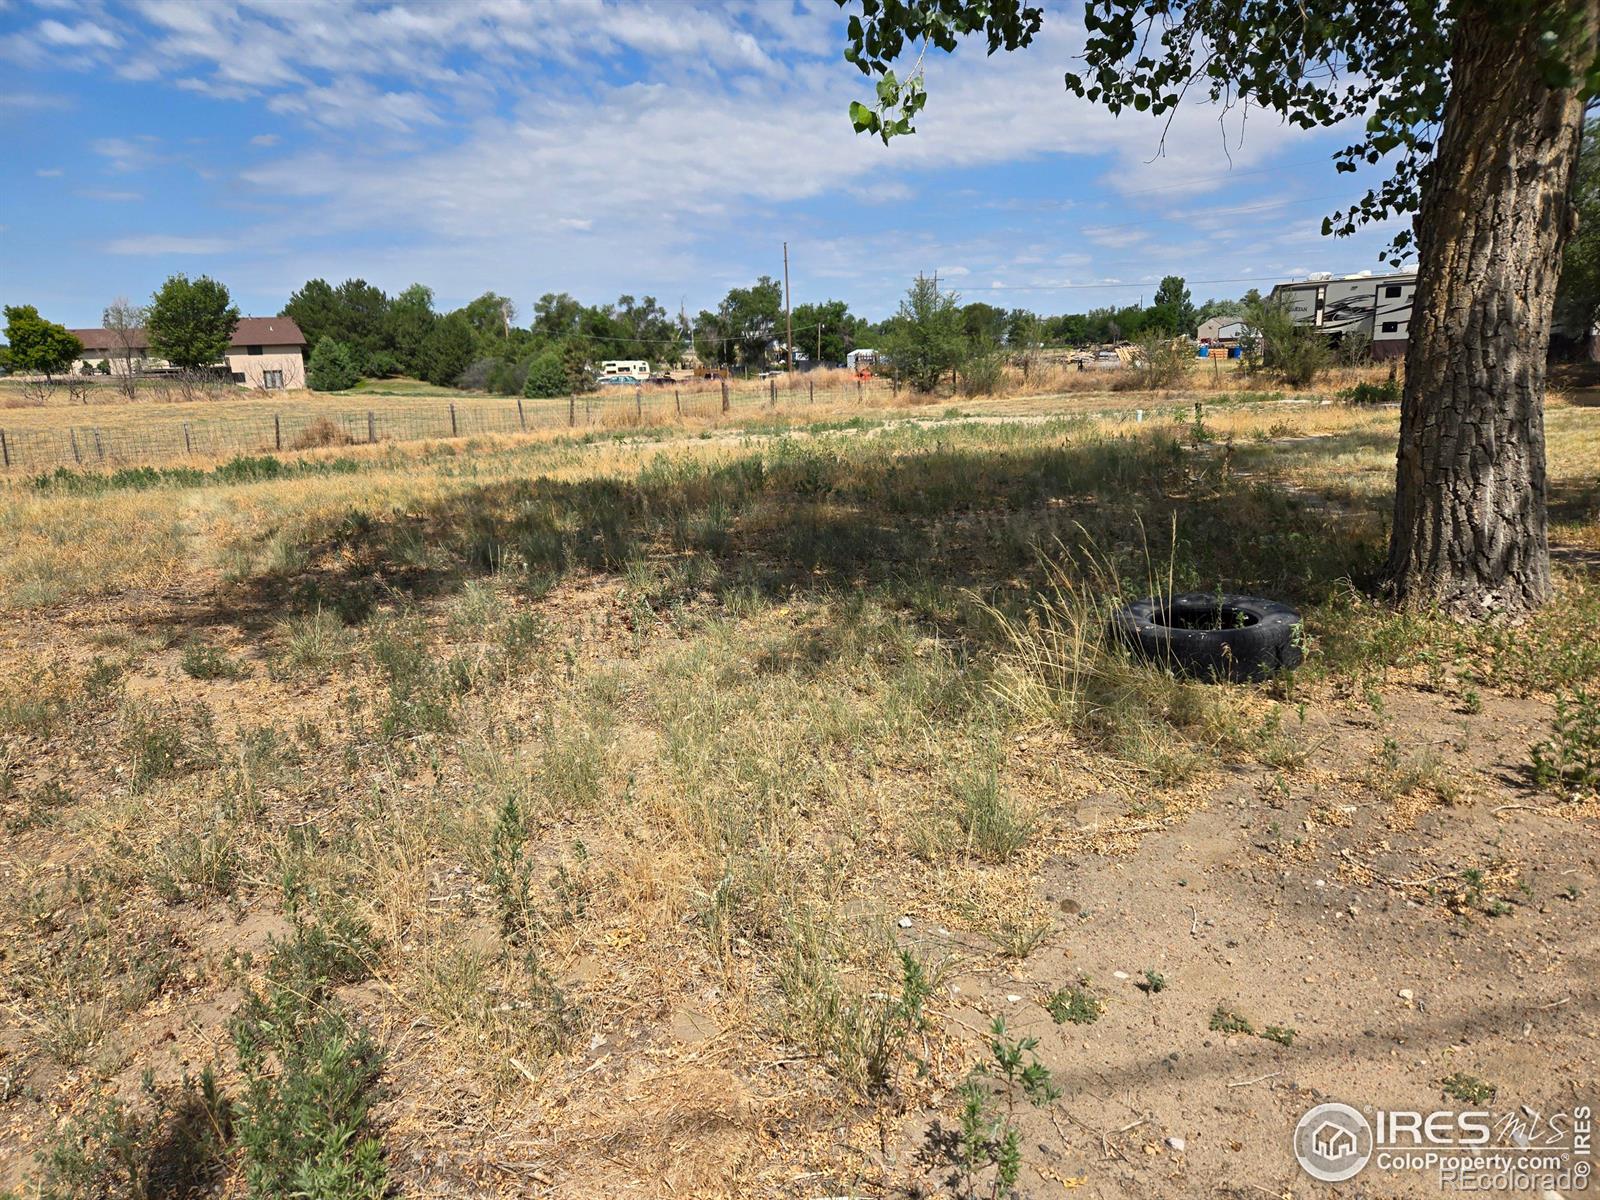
x,y
1469,526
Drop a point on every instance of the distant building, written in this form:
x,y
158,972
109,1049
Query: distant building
x,y
266,352
1377,306
1220,331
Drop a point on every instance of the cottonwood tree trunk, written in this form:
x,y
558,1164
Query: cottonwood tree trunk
x,y
1469,524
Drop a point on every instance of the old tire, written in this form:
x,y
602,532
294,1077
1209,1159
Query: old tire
x,y
1212,636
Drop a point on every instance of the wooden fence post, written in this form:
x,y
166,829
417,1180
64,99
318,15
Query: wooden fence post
x,y
724,395
638,404
277,432
572,411
77,457
372,428
677,401
772,393
522,417
858,387
452,420
5,449
188,444
100,450
811,391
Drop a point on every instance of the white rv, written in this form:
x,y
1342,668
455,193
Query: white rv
x,y
1378,306
625,368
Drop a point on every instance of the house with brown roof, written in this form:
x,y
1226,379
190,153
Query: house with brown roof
x,y
266,352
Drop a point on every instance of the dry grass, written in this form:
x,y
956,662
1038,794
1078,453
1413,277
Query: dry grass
x,y
627,756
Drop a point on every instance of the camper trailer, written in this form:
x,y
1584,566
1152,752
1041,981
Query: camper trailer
x,y
1373,306
636,369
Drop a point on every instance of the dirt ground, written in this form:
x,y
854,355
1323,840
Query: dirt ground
x,y
1323,910
1380,893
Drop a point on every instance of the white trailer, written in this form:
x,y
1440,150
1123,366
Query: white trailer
x,y
1376,306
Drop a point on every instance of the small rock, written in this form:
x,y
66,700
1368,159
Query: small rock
x,y
1119,975
1012,998
1177,1144
905,922
1407,995
1070,906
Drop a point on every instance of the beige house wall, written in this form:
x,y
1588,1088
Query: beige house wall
x,y
254,367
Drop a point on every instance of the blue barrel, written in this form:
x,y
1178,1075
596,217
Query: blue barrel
x,y
1235,351
1203,352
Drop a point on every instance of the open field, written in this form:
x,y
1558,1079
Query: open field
x,y
672,812
159,426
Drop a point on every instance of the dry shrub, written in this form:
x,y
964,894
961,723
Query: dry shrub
x,y
321,432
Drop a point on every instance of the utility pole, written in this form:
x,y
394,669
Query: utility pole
x,y
788,313
818,360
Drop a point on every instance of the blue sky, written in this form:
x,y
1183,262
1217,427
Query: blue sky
x,y
661,148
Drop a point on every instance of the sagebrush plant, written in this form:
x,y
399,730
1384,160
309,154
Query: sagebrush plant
x,y
203,661
1074,1003
1569,759
170,1141
990,1138
302,1116
862,1036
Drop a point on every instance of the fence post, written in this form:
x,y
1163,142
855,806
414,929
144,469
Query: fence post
x,y
858,387
277,432
811,391
522,417
677,402
188,445
638,404
724,395
372,428
5,449
572,411
100,450
452,420
772,393
73,434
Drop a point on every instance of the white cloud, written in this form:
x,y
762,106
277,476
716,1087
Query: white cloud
x,y
49,172
265,139
108,195
160,243
85,35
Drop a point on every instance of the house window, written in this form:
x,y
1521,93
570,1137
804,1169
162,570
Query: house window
x,y
238,376
1392,291
1391,326
272,379
253,350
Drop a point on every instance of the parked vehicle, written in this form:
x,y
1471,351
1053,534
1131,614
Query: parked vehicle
x,y
634,369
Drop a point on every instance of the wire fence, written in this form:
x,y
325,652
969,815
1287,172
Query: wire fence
x,y
90,445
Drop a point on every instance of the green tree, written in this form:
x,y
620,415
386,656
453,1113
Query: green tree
x,y
984,324
1173,310
1478,105
406,326
547,376
926,341
491,316
448,350
315,311
830,325
355,313
1578,294
749,321
556,316
191,322
332,367
37,346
